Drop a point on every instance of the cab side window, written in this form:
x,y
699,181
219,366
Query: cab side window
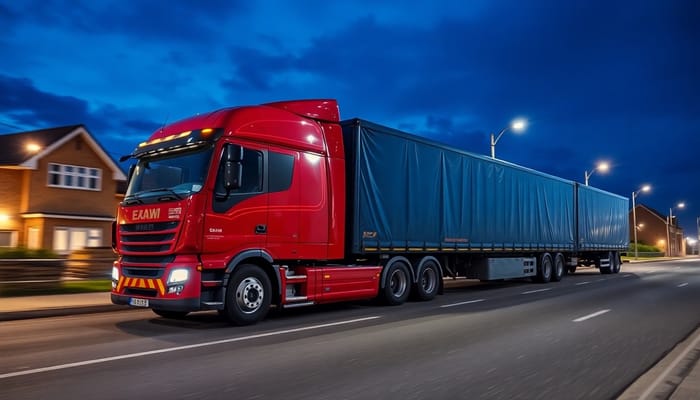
x,y
251,182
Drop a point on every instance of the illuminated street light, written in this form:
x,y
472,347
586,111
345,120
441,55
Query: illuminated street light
x,y
33,147
643,189
602,167
680,205
517,125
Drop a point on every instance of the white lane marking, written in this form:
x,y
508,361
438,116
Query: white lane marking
x,y
661,378
461,303
536,291
683,284
602,280
627,276
583,283
178,348
589,316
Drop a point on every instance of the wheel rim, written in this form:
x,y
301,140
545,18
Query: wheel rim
x,y
428,280
249,295
398,282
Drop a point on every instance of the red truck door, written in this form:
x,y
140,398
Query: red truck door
x,y
238,221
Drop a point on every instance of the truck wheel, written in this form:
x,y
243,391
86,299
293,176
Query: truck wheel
x,y
396,283
608,269
428,283
615,262
171,314
248,295
558,270
544,269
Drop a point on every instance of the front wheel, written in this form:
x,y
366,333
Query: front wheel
x,y
248,295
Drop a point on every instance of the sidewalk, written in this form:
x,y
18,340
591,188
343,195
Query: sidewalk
x,y
25,307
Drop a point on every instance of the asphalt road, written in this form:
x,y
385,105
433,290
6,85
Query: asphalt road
x,y
587,337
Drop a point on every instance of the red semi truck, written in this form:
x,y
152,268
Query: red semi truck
x,y
283,204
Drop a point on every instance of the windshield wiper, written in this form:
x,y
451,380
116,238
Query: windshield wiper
x,y
168,190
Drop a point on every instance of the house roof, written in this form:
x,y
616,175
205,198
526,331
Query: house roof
x,y
13,147
14,152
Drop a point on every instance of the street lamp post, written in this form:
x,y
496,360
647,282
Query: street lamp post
x,y
602,167
668,227
645,189
517,125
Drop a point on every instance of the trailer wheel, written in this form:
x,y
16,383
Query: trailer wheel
x,y
171,314
396,283
248,295
428,282
558,270
544,269
608,269
615,262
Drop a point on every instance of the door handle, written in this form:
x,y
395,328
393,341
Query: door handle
x,y
259,229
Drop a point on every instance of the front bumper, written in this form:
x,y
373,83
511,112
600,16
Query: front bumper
x,y
162,304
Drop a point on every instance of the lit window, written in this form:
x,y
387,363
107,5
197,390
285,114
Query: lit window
x,y
74,177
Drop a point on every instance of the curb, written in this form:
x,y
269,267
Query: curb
x,y
59,312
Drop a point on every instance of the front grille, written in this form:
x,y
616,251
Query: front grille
x,y
143,272
148,227
144,238
148,260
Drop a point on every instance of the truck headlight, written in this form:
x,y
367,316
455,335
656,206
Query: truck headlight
x,y
179,275
115,273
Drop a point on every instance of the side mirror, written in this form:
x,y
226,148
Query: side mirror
x,y
234,152
233,175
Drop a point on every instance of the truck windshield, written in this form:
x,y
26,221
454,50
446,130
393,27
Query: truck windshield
x,y
175,175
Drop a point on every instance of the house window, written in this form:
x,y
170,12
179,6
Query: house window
x,y
67,239
33,238
8,239
74,177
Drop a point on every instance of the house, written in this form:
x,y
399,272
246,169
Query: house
x,y
58,190
653,229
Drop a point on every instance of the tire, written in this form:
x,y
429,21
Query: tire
x,y
544,268
171,314
559,267
608,269
248,295
615,262
428,280
397,283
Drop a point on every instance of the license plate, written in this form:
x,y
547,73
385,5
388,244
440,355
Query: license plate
x,y
138,302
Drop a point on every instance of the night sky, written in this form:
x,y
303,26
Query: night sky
x,y
617,81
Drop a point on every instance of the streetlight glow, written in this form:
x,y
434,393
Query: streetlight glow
x,y
602,166
517,125
33,147
643,189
